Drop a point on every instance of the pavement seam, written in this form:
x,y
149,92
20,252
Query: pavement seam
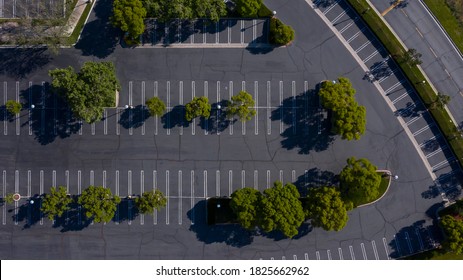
x,y
376,84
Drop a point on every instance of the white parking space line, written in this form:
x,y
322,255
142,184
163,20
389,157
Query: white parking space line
x,y
117,194
129,194
230,182
53,176
105,122
167,196
243,179
281,176
442,163
256,104
355,35
385,248
143,100
402,96
230,94
339,16
281,108
363,46
156,118
331,7
373,244
397,245
256,179
180,204
192,200
388,76
295,257
118,128
155,182
306,256
40,192
293,94
30,109
423,129
283,258
229,31
352,255
130,108
414,119
169,107
205,183
243,124
104,178
364,253
218,100
269,113
370,56
206,94
417,232
5,112
328,253
204,32
180,86
293,176
217,183
4,195
18,131
317,254
254,29
407,238
42,123
340,254
348,25
268,179
436,152
242,32
92,178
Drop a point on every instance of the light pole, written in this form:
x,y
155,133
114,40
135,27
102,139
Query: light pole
x,y
32,106
274,13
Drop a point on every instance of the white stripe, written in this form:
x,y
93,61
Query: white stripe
x,y
414,119
352,255
340,16
180,187
363,46
192,200
436,152
370,56
363,251
331,7
373,244
355,35
419,239
348,25
385,248
328,253
423,129
340,254
442,163
256,104
269,113
167,196
407,237
405,94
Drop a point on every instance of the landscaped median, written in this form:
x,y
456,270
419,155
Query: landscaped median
x,y
413,74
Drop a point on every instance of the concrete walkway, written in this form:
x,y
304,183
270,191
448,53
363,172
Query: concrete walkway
x,y
76,15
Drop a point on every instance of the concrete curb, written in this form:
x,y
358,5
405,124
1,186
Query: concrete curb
x,y
378,87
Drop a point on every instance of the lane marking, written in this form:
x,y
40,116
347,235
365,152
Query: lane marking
x,y
328,252
117,194
5,112
447,72
155,181
442,164
193,94
18,130
206,94
293,94
269,113
256,180
293,176
370,56
407,238
181,101
104,178
130,108
229,31
256,104
53,184
436,152
218,101
331,7
348,25
397,245
402,96
433,52
205,183
118,128
168,107
180,206
167,196
217,183
419,33
375,251
268,179
192,200
340,254
306,256
243,179
254,29
340,16
156,118
40,193
281,108
4,195
42,123
143,100
355,35
364,253
352,255
419,239
414,119
30,109
295,257
230,94
92,178
423,129
230,182
242,32
281,176
129,196
317,254
385,248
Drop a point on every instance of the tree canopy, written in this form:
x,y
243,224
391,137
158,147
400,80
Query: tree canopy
x,y
280,33
281,209
88,91
211,9
56,203
359,181
245,203
129,15
99,203
198,107
248,8
242,106
165,10
13,107
453,229
149,201
440,101
326,209
348,117
412,57
156,106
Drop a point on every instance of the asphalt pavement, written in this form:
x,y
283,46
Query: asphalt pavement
x,y
129,152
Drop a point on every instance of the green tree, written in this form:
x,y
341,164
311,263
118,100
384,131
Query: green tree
x,y
156,106
164,10
13,107
56,203
198,107
9,198
280,33
348,118
241,105
99,203
149,201
246,204
440,101
248,8
211,9
359,181
453,229
326,209
88,91
412,57
129,15
282,210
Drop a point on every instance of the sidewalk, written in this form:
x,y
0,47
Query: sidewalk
x,y
76,15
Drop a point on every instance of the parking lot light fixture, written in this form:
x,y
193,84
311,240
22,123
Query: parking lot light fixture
x,y
274,13
32,106
219,107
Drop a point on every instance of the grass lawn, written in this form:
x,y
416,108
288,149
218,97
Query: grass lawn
x,y
450,23
80,25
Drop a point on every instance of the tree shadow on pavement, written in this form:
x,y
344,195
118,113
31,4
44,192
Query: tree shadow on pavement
x,y
28,212
447,183
276,235
19,62
99,38
415,238
46,123
315,178
74,219
126,211
134,118
231,234
218,121
175,118
309,126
